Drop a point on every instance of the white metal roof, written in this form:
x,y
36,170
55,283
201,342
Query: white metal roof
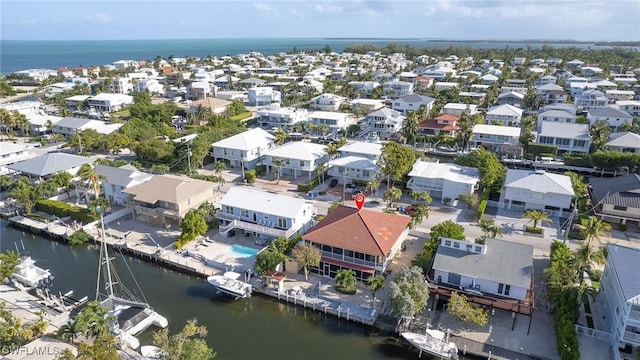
x,y
496,130
263,202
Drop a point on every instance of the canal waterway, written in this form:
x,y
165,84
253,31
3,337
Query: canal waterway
x,y
244,329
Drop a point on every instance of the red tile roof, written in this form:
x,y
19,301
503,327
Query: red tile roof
x,y
433,124
365,231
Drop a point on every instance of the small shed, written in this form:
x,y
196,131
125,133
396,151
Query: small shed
x,y
277,277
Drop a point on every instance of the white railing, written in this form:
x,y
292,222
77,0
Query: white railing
x,y
245,225
596,334
631,336
634,314
350,259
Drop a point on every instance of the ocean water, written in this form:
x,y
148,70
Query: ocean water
x,y
20,55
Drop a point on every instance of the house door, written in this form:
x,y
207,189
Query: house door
x,y
255,218
327,270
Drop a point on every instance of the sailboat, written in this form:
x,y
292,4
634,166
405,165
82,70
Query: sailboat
x,y
132,315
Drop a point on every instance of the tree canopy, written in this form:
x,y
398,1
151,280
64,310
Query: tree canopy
x,y
408,293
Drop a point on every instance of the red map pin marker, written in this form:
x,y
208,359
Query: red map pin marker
x,y
359,198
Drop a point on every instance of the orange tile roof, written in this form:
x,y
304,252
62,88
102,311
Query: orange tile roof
x,y
433,124
447,117
365,231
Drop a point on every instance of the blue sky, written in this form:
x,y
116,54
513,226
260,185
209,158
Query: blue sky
x,y
433,19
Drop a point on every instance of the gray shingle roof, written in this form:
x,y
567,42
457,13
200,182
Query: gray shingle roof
x,y
624,263
505,262
414,98
625,140
617,191
50,163
122,176
610,112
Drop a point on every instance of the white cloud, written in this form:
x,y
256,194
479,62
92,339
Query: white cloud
x,y
262,7
328,8
98,18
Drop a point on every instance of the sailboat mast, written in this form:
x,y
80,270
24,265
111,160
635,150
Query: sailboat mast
x,y
106,256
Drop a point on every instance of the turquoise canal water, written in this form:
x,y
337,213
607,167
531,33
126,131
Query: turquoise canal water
x,y
255,328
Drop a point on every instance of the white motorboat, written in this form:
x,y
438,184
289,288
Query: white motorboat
x,y
132,316
28,275
230,285
433,342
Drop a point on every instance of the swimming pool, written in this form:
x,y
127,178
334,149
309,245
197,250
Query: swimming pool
x,y
242,251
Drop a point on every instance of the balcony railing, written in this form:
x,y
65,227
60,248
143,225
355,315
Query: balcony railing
x,y
634,315
249,226
423,186
144,210
632,337
352,260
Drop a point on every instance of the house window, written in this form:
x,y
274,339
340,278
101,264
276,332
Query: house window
x,y
245,213
301,163
620,208
500,288
478,248
282,222
447,242
228,210
456,245
507,289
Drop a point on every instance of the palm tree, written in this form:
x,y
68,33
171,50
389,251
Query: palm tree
x,y
421,196
69,331
93,320
593,228
6,120
346,279
320,170
278,163
21,121
98,205
281,136
375,283
332,150
373,186
490,228
583,259
88,174
391,195
419,213
411,127
537,216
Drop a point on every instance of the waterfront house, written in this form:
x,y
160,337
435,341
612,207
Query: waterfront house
x,y
327,102
624,142
504,114
285,118
364,241
446,124
443,181
264,95
553,115
334,121
244,150
617,199
397,89
44,166
357,162
494,136
499,268
263,214
412,102
385,122
631,107
619,297
113,180
536,189
24,107
11,153
614,117
298,158
72,125
569,138
164,200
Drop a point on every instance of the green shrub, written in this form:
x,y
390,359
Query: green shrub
x,y
533,230
539,150
250,176
306,187
78,238
346,290
62,209
241,116
595,274
261,170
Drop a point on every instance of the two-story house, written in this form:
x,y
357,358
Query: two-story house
x,y
591,99
244,150
443,181
511,98
446,124
12,153
504,114
494,136
263,214
327,102
263,95
358,161
624,142
569,138
538,190
296,158
631,107
412,102
164,200
385,122
500,268
364,241
619,296
458,109
106,102
281,117
334,121
614,117
397,89
555,116
617,199
113,180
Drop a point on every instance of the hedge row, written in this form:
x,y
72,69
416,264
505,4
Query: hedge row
x,y
542,150
306,187
241,116
62,209
482,206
